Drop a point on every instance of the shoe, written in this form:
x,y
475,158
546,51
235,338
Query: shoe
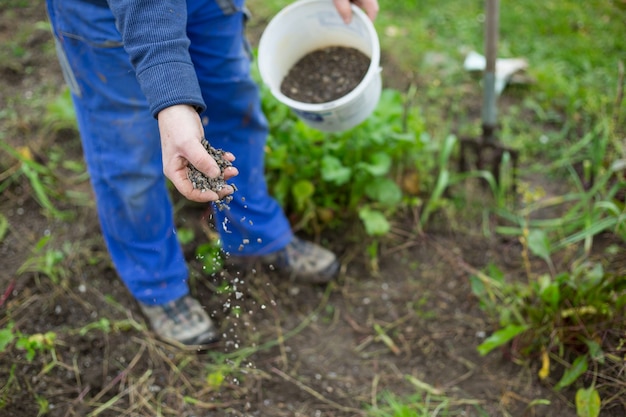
x,y
303,261
183,320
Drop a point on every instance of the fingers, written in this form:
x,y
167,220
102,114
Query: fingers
x,y
199,158
345,11
369,6
230,172
343,7
184,186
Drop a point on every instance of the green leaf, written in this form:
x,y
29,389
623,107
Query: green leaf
x,y
500,338
578,368
6,337
588,402
215,379
375,222
384,190
333,171
210,254
276,157
379,164
595,350
302,192
60,111
4,227
539,244
185,235
495,272
477,286
549,291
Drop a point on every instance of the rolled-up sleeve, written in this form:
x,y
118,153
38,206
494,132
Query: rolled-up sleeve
x,y
155,38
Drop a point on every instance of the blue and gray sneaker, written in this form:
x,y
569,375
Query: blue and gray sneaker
x,y
302,261
183,320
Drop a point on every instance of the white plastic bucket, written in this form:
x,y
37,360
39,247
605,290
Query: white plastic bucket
x,y
308,25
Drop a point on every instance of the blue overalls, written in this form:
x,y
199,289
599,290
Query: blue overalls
x,y
121,141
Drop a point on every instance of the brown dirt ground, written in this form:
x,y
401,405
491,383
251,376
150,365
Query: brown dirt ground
x,y
313,351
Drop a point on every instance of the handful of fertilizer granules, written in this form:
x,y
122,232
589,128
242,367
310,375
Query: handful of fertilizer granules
x,y
203,183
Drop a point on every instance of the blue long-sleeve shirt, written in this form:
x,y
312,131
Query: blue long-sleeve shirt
x,y
155,38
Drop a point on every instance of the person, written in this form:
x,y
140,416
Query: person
x,y
149,80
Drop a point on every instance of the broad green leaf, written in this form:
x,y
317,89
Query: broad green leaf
x,y
185,235
333,171
578,368
588,402
500,338
495,272
6,337
384,190
549,291
276,157
302,192
595,350
375,222
379,164
539,244
477,286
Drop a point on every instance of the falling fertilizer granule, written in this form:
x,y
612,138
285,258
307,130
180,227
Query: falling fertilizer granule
x,y
203,183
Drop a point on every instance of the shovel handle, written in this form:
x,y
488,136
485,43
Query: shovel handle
x,y
491,46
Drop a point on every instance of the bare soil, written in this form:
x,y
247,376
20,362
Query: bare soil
x,y
325,74
407,324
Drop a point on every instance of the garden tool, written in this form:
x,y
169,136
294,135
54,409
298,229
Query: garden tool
x,y
487,152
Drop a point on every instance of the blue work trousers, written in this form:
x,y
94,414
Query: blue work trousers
x,y
121,141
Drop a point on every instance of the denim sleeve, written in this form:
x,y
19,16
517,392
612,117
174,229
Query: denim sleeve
x,y
154,36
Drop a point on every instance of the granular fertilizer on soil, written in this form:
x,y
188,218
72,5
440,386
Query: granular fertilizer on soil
x,y
325,74
203,183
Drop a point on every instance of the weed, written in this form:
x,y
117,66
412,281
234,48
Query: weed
x,y
60,113
325,178
40,177
36,343
427,401
574,318
107,326
48,262
210,256
5,390
4,226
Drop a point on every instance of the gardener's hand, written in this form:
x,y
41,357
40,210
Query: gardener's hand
x,y
369,6
181,132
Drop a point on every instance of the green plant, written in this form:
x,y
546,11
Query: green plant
x,y
36,343
48,262
210,256
41,178
107,326
5,390
582,215
575,318
32,344
4,226
323,178
426,401
60,113
44,405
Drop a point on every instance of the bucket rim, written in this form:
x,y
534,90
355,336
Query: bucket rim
x,y
373,70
